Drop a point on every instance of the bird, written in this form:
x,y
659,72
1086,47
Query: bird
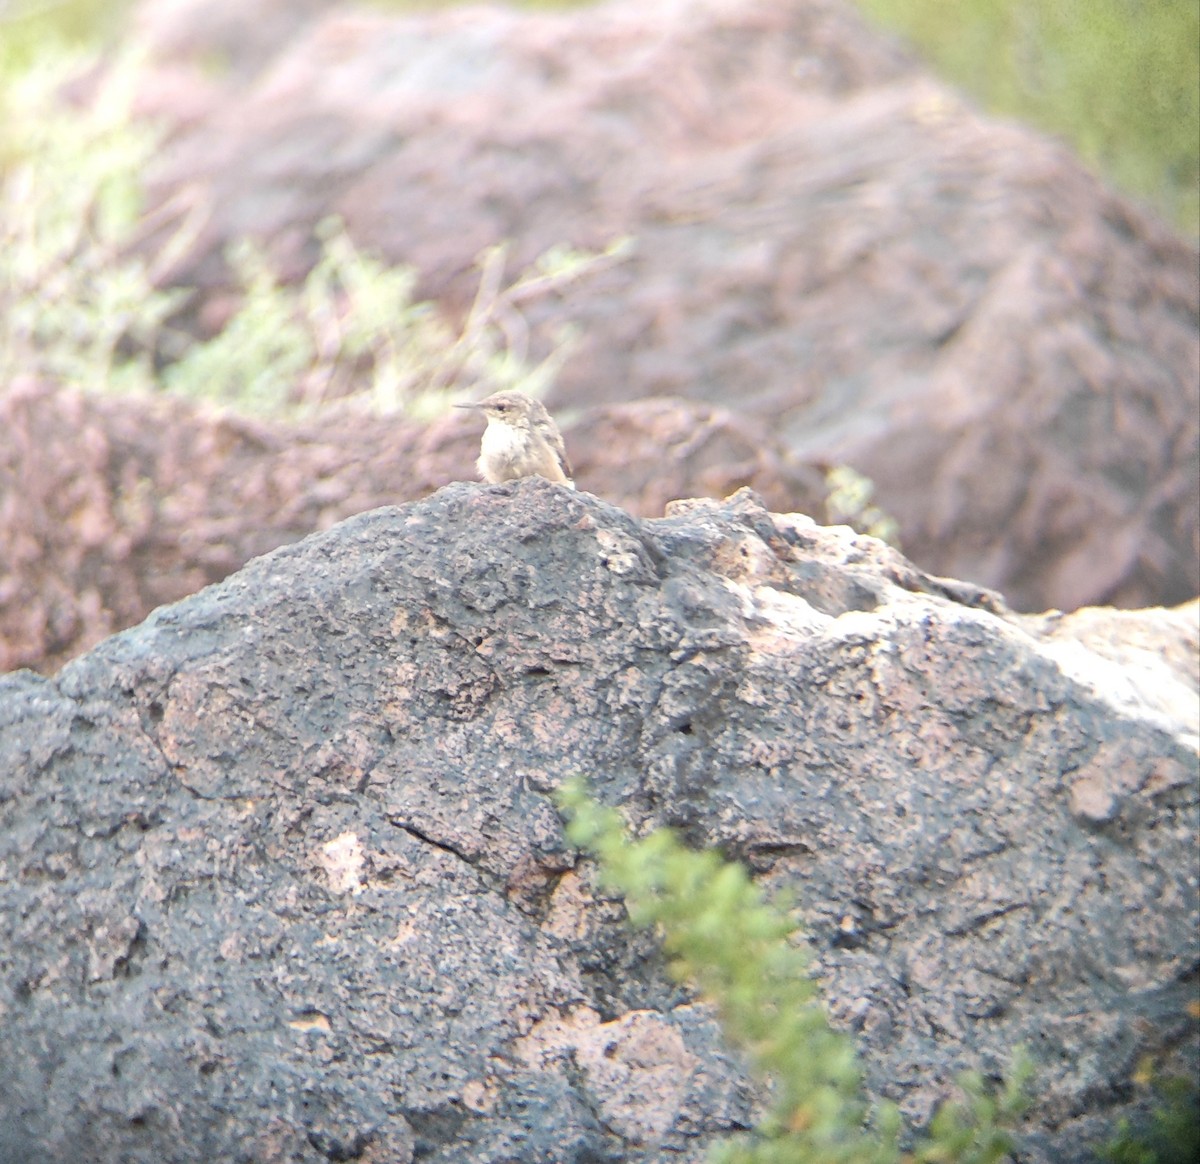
x,y
521,440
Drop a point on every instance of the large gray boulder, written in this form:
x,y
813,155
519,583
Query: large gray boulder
x,y
282,879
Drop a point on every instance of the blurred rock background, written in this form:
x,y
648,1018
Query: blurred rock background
x,y
836,258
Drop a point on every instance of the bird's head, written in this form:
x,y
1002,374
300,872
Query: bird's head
x,y
513,408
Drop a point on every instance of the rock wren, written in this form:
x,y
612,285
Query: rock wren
x,y
520,441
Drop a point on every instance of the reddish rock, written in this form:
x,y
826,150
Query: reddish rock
x,y
830,243
111,507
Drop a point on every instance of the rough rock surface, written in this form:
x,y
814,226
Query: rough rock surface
x,y
281,878
111,507
827,240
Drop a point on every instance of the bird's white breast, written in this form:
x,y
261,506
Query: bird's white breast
x,y
501,440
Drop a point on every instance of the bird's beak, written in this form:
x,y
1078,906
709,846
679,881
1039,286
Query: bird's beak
x,y
468,405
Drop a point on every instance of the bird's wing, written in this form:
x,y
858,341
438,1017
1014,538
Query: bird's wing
x,y
554,439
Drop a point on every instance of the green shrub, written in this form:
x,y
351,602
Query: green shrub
x,y
32,29
743,955
353,333
1171,1134
1119,79
81,266
76,305
849,501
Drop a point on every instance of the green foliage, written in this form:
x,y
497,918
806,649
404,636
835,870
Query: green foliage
x,y
743,955
28,28
76,305
253,362
1171,1135
353,333
81,266
848,502
1120,79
